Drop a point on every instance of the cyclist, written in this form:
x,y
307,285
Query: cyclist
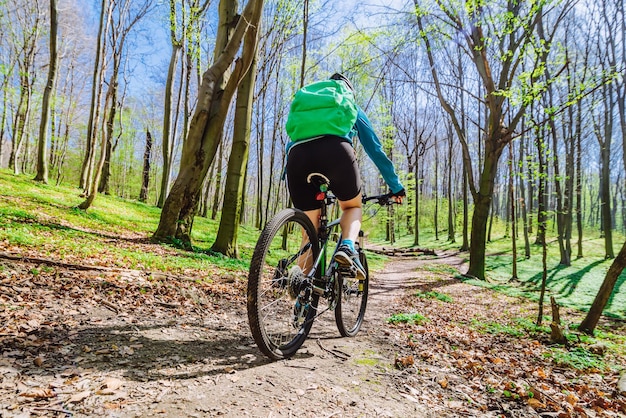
x,y
333,156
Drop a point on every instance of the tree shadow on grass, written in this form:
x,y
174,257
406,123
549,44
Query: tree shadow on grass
x,y
620,287
569,282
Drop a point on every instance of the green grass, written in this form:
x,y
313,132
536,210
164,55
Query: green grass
x,y
498,328
434,295
406,318
579,358
45,218
574,286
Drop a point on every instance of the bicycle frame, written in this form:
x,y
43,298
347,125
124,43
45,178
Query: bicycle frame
x,y
283,305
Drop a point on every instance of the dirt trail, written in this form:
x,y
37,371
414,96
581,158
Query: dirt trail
x,y
73,353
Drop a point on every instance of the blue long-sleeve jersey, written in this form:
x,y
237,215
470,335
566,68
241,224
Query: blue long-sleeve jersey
x,y
373,148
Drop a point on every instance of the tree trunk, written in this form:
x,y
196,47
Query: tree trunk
x,y
494,205
607,224
451,211
416,237
305,28
21,120
168,135
103,185
579,183
205,129
604,133
588,324
3,117
42,159
218,181
118,36
482,204
105,143
522,193
556,334
561,208
226,241
541,198
145,173
465,246
260,152
436,193
544,275
96,93
513,212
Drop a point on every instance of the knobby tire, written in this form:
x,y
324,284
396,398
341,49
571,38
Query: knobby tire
x,y
351,301
270,306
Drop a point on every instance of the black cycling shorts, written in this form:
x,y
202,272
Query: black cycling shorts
x,y
330,156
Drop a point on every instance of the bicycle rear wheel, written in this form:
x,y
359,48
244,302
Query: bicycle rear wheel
x,y
281,309
352,301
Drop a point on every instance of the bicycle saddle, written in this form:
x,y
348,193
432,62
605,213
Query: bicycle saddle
x,y
317,179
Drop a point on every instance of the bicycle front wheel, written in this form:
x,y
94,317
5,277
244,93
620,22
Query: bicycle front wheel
x,y
281,305
352,301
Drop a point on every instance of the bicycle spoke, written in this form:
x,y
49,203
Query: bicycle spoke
x,y
286,247
351,302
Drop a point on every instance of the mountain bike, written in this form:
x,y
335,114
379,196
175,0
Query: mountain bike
x,y
293,267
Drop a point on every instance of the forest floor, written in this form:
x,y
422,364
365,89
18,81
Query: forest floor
x,y
82,340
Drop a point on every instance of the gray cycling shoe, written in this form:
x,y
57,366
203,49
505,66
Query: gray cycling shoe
x,y
347,257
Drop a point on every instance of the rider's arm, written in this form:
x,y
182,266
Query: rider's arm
x,y
374,149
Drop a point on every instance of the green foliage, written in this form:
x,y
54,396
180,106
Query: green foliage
x,y
375,261
440,269
434,295
530,326
573,286
579,358
406,318
497,328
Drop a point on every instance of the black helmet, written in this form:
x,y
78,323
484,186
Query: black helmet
x,y
341,77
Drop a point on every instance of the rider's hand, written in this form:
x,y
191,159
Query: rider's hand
x,y
398,196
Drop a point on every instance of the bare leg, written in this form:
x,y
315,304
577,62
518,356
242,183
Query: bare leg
x,y
351,218
306,260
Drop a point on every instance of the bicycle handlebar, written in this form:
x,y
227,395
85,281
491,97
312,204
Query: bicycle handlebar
x,y
383,199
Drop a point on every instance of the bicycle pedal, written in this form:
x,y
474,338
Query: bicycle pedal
x,y
348,271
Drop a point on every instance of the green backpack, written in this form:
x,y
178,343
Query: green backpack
x,y
322,108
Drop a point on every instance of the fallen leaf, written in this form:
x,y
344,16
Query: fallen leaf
x,y
79,397
572,399
404,362
535,403
540,373
109,386
39,393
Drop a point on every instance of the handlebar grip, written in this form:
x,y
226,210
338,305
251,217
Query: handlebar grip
x,y
383,199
